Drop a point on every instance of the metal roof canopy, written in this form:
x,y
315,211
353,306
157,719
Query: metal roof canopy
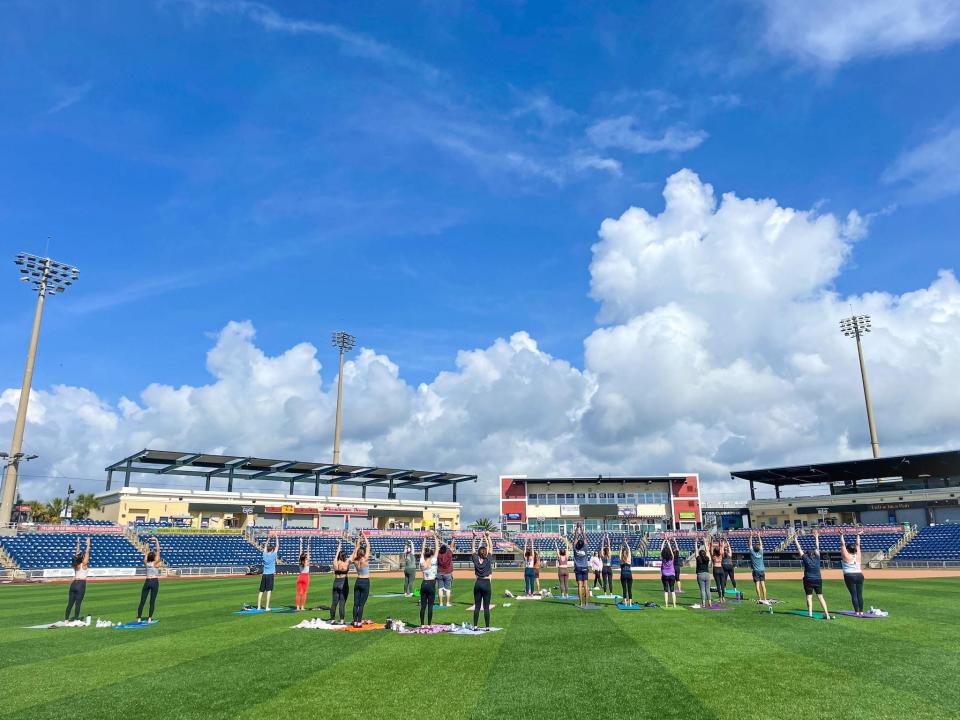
x,y
239,467
938,464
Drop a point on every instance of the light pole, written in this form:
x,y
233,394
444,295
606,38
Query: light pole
x,y
46,276
856,326
345,342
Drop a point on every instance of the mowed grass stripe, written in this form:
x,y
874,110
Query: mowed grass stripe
x,y
749,649
255,668
380,679
558,659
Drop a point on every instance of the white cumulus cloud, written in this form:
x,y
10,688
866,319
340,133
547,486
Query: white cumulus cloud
x,y
719,349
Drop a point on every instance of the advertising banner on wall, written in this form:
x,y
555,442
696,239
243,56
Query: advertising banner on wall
x,y
569,510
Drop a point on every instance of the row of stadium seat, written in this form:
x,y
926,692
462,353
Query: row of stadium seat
x,y
35,551
937,542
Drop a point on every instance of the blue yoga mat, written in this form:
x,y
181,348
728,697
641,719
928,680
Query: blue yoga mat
x,y
621,606
803,613
136,625
250,611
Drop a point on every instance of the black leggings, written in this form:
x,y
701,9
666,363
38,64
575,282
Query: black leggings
x,y
77,589
597,578
854,583
341,591
626,586
728,571
361,591
481,596
606,578
428,593
150,587
720,578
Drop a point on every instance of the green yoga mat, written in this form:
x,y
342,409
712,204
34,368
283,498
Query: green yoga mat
x,y
803,613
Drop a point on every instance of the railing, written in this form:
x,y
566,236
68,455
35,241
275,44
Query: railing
x,y
920,563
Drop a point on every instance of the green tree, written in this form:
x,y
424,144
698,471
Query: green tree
x,y
54,509
38,511
482,523
85,504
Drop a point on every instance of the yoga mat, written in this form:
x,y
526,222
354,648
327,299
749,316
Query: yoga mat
x,y
322,625
365,627
529,597
710,607
604,597
49,626
136,625
250,611
865,616
588,606
479,631
565,597
803,613
425,630
389,595
621,606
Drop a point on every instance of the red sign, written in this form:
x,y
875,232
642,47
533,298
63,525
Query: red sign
x,y
325,510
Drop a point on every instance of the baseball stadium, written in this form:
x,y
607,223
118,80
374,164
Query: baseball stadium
x,y
479,360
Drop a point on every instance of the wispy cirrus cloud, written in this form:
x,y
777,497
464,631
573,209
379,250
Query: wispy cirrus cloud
x,y
827,32
622,133
931,170
70,96
349,41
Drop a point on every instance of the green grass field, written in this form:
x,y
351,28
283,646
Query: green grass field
x,y
550,660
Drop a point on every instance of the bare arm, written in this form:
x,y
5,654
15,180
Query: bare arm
x,y
86,555
760,540
489,545
156,558
858,547
473,545
796,541
816,539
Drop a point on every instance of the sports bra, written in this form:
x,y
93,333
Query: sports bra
x,y
80,573
430,569
304,569
529,563
363,572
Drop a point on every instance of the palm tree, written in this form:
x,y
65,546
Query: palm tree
x,y
54,509
38,511
85,504
483,523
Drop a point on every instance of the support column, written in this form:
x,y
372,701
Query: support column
x,y
753,491
454,492
316,485
126,474
363,492
109,478
777,488
426,493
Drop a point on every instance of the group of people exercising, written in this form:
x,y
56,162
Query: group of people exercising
x,y
435,564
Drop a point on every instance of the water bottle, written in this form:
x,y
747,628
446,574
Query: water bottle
x,y
89,620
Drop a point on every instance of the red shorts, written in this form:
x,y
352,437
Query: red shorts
x,y
303,582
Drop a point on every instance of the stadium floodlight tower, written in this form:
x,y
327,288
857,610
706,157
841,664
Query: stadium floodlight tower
x,y
47,277
345,342
856,326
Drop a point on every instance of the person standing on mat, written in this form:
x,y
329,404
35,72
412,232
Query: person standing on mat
x,y
668,575
596,564
341,585
151,585
563,567
677,563
757,567
528,574
703,571
727,565
445,572
409,570
81,563
361,588
716,555
536,568
482,570
626,573
606,570
581,565
851,562
428,588
812,580
303,577
269,569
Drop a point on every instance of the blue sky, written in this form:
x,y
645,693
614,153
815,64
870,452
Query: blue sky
x,y
429,175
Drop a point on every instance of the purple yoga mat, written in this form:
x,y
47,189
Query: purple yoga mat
x,y
865,616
